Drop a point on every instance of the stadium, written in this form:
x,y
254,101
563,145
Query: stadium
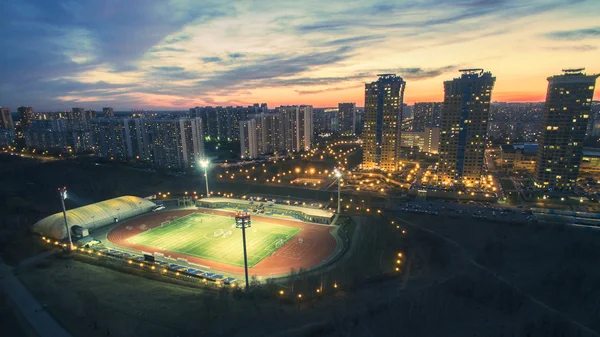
x,y
201,240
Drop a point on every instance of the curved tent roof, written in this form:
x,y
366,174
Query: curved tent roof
x,y
93,216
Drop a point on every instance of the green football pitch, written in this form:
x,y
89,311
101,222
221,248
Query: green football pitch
x,y
215,238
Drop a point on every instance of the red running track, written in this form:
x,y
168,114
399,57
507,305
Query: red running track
x,y
317,243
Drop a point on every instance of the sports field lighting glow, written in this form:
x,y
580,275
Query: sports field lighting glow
x,y
62,192
281,292
204,164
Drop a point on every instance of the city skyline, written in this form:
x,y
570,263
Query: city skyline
x,y
237,53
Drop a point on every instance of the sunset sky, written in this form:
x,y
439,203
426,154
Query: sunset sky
x,y
173,55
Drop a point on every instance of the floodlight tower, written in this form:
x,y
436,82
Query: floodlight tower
x,y
204,164
242,220
338,175
62,192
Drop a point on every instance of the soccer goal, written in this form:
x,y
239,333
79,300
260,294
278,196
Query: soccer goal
x,y
226,234
218,232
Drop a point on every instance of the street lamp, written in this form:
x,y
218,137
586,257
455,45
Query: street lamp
x,y
338,175
62,193
242,220
204,164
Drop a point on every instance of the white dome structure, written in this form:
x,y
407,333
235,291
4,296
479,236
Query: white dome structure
x,y
93,216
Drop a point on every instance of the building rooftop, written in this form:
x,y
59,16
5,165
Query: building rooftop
x,y
92,216
591,152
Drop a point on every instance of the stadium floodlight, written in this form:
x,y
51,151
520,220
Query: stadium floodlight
x,y
338,175
242,220
204,163
62,193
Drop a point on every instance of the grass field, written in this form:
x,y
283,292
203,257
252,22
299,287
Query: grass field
x,y
215,238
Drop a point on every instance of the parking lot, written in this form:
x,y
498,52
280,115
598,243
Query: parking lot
x,y
473,210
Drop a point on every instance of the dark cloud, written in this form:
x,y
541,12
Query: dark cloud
x,y
124,68
65,85
270,68
418,73
168,69
581,48
45,37
310,92
177,39
355,40
482,3
119,31
167,48
236,55
574,35
211,59
310,81
172,73
389,15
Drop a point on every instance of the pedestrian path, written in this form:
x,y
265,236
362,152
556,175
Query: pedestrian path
x,y
35,313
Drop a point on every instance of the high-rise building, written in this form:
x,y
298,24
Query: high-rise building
x,y
7,127
76,113
122,139
7,137
108,112
26,116
49,134
262,108
382,117
296,127
77,119
176,143
89,114
596,113
248,139
268,136
427,140
326,120
347,118
426,115
464,121
564,123
6,121
360,113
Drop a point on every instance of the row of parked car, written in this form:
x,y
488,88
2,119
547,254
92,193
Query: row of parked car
x,y
418,209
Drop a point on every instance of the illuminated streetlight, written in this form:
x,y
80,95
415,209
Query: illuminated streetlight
x,y
62,192
338,175
204,163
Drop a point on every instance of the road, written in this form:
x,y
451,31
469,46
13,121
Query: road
x,y
489,160
39,319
